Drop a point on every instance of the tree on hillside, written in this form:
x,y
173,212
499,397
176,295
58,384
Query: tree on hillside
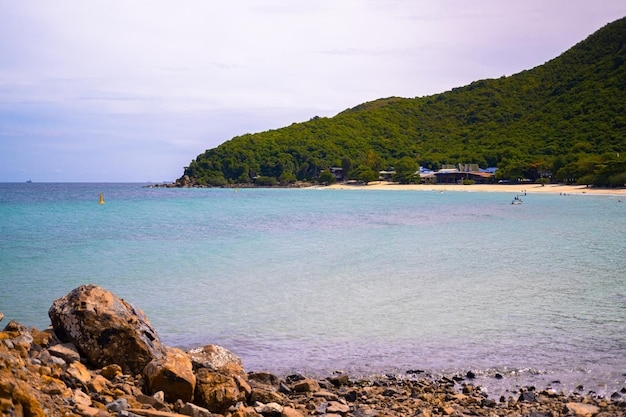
x,y
373,161
327,178
364,173
406,171
346,166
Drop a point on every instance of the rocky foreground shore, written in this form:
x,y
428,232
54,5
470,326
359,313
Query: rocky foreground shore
x,y
101,357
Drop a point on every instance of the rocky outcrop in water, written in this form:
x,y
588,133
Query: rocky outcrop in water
x,y
49,373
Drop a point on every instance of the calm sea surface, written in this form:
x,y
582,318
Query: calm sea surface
x,y
316,280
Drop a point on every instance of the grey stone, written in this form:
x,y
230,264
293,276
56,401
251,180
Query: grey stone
x,y
527,396
151,401
65,351
193,410
117,405
213,357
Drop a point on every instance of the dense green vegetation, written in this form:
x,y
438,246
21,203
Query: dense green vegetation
x,y
564,120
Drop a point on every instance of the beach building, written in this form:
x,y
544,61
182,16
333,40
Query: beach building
x,y
455,174
427,176
387,174
337,173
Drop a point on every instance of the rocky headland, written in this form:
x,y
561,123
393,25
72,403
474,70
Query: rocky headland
x,y
102,357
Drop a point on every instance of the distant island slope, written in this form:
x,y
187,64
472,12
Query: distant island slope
x,y
560,122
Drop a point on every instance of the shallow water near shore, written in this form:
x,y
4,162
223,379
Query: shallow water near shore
x,y
317,280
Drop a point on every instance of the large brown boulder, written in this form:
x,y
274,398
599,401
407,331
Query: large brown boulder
x,y
105,329
220,378
216,391
173,374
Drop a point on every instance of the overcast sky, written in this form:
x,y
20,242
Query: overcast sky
x,y
134,90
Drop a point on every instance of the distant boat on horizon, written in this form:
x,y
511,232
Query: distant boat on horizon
x,y
29,182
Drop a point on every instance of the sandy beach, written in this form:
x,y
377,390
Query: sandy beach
x,y
500,188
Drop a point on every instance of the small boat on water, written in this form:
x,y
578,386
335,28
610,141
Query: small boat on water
x,y
516,200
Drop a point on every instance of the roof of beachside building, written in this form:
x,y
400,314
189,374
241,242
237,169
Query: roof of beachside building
x,y
468,167
447,171
481,174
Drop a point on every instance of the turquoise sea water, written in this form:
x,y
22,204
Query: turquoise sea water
x,y
317,280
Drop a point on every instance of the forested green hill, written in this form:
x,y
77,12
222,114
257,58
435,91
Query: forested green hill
x,y
565,119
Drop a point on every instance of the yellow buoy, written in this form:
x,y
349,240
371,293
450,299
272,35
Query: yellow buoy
x,y
101,199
